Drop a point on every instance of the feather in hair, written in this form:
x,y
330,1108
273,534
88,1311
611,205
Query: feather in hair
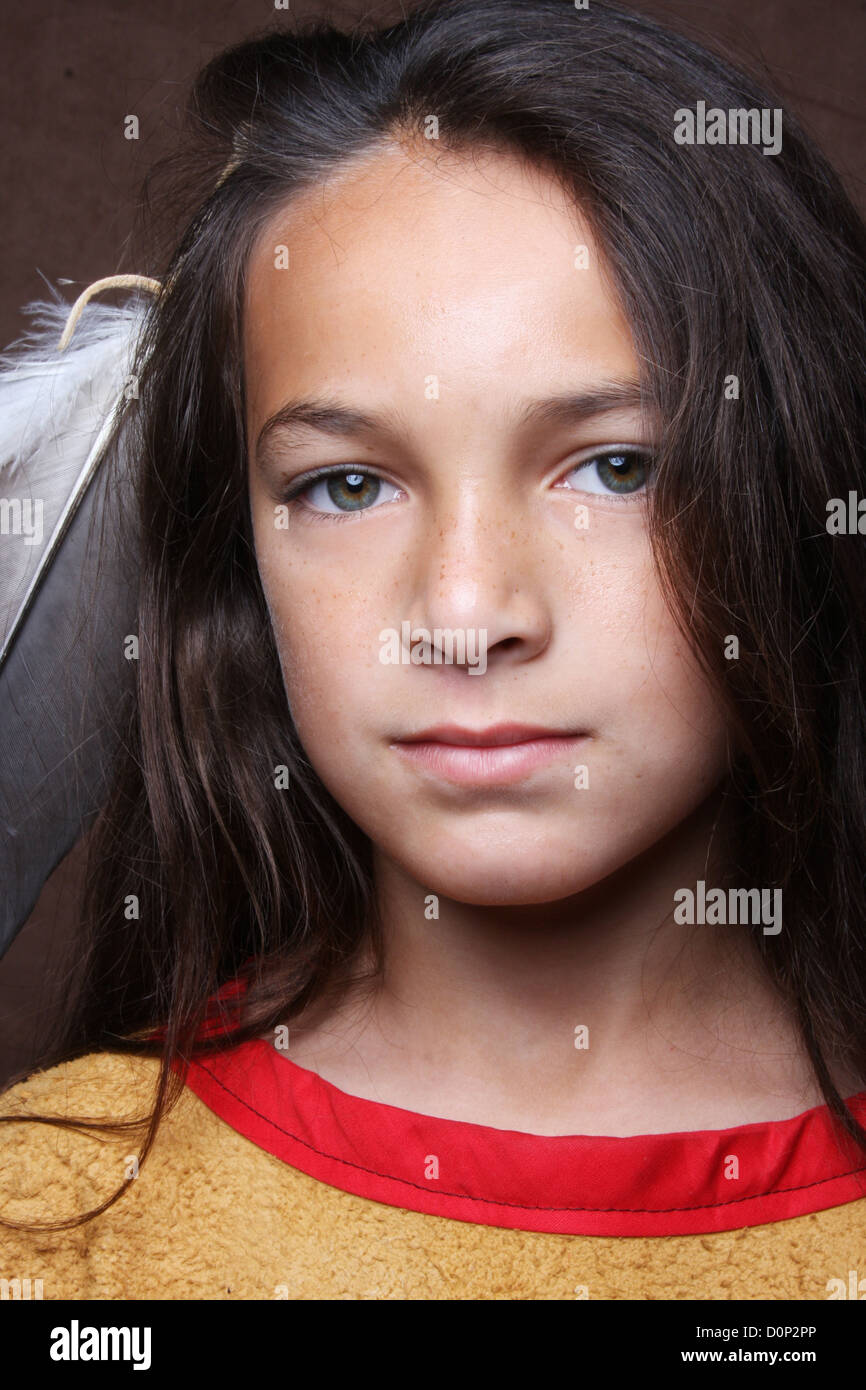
x,y
65,605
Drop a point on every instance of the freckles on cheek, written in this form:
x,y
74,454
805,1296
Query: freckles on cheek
x,y
638,642
616,598
294,608
326,642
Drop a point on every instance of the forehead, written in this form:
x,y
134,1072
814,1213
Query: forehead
x,y
409,263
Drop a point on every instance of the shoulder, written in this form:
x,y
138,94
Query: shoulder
x,y
55,1161
99,1081
71,1139
206,1214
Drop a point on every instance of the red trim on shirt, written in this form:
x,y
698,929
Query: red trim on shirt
x,y
642,1185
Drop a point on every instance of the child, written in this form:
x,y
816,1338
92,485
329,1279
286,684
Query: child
x,y
478,909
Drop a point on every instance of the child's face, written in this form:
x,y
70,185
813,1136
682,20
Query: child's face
x,y
450,299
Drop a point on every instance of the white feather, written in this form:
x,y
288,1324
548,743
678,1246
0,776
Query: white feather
x,y
57,413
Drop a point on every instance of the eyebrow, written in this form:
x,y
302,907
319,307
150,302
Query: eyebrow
x,y
327,416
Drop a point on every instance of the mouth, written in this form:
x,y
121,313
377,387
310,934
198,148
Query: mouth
x,y
494,756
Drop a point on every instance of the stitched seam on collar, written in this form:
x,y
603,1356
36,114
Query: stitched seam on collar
x,y
519,1206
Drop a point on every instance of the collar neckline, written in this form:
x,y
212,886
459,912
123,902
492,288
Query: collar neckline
x,y
681,1183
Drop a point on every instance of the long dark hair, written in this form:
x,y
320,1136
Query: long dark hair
x,y
730,263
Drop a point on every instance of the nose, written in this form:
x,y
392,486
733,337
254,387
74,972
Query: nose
x,y
478,569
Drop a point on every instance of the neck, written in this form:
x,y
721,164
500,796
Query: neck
x,y
596,1013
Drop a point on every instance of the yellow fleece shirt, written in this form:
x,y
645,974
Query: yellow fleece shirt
x,y
213,1214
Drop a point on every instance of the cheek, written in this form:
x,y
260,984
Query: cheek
x,y
663,723
325,637
644,655
672,722
685,701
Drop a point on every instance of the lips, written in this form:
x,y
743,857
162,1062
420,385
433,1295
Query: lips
x,y
496,756
497,736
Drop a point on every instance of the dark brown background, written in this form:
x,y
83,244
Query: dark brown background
x,y
73,69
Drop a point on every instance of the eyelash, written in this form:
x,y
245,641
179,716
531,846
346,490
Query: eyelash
x,y
291,496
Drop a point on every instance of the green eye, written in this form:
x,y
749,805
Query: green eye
x,y
342,490
621,471
353,491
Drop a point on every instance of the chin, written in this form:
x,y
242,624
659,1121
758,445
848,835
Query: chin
x,y
511,878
